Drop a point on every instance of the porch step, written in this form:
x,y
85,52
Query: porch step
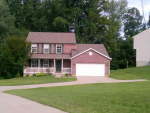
x,y
58,75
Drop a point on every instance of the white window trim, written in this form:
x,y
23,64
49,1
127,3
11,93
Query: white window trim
x,y
93,50
61,48
36,63
32,46
45,48
43,64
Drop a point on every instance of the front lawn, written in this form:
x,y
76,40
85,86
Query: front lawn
x,y
33,80
131,73
93,98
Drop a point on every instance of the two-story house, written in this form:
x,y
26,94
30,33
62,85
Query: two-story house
x,y
142,46
60,54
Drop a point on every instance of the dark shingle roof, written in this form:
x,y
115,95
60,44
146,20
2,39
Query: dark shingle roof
x,y
82,47
51,37
51,56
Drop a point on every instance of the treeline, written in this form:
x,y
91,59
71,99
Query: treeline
x,y
109,22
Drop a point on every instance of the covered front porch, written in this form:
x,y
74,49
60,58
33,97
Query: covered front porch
x,y
54,66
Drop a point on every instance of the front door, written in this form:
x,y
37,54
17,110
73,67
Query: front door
x,y
58,65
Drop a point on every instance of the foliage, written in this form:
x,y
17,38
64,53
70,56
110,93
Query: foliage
x,y
18,74
132,22
14,56
40,74
7,21
27,75
48,72
108,22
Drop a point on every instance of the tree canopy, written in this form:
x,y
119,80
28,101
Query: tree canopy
x,y
108,22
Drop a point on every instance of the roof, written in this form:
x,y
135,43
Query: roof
x,y
83,47
51,56
51,37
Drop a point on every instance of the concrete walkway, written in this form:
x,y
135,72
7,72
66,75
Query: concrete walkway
x,y
14,104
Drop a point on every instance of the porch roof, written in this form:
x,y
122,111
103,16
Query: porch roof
x,y
51,56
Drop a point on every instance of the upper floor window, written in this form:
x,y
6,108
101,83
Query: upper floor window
x,y
46,48
33,63
45,63
59,48
34,48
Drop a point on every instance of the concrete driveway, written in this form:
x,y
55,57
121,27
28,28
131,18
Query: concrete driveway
x,y
14,104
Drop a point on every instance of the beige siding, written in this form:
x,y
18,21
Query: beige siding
x,y
142,46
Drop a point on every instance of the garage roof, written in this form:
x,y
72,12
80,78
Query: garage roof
x,y
100,48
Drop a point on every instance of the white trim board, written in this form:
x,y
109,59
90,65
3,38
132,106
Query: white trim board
x,y
94,51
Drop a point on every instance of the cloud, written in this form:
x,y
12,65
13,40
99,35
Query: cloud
x,y
137,4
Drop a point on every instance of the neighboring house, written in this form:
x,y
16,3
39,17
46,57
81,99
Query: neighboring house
x,y
60,53
142,46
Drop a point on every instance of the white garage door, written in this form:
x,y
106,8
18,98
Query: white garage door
x,y
90,70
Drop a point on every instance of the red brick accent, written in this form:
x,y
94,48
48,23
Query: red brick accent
x,y
40,48
52,62
67,63
94,59
52,48
69,47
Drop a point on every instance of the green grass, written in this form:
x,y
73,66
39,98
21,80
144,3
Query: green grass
x,y
93,98
131,73
33,80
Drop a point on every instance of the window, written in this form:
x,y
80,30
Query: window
x,y
59,48
34,48
34,63
46,63
46,48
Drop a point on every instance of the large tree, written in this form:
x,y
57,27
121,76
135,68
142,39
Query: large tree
x,y
14,56
7,21
132,22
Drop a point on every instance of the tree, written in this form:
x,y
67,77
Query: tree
x,y
7,22
14,56
114,11
148,23
60,25
132,22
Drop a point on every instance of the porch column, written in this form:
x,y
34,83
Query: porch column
x,y
54,66
62,65
39,65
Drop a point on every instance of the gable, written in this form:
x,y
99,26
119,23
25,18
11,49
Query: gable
x,y
91,49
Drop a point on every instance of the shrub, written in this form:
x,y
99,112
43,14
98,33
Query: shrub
x,y
48,72
18,74
27,75
34,74
40,74
67,75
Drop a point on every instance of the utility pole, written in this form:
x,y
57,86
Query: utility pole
x,y
143,12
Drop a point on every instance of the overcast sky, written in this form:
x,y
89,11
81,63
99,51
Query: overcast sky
x,y
137,4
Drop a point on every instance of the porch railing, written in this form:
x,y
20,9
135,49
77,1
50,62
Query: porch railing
x,y
38,70
30,70
66,70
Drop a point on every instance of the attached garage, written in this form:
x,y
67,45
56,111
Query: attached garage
x,y
93,61
90,70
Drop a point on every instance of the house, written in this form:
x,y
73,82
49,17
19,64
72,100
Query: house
x,y
60,54
142,46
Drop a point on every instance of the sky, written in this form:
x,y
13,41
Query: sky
x,y
137,4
